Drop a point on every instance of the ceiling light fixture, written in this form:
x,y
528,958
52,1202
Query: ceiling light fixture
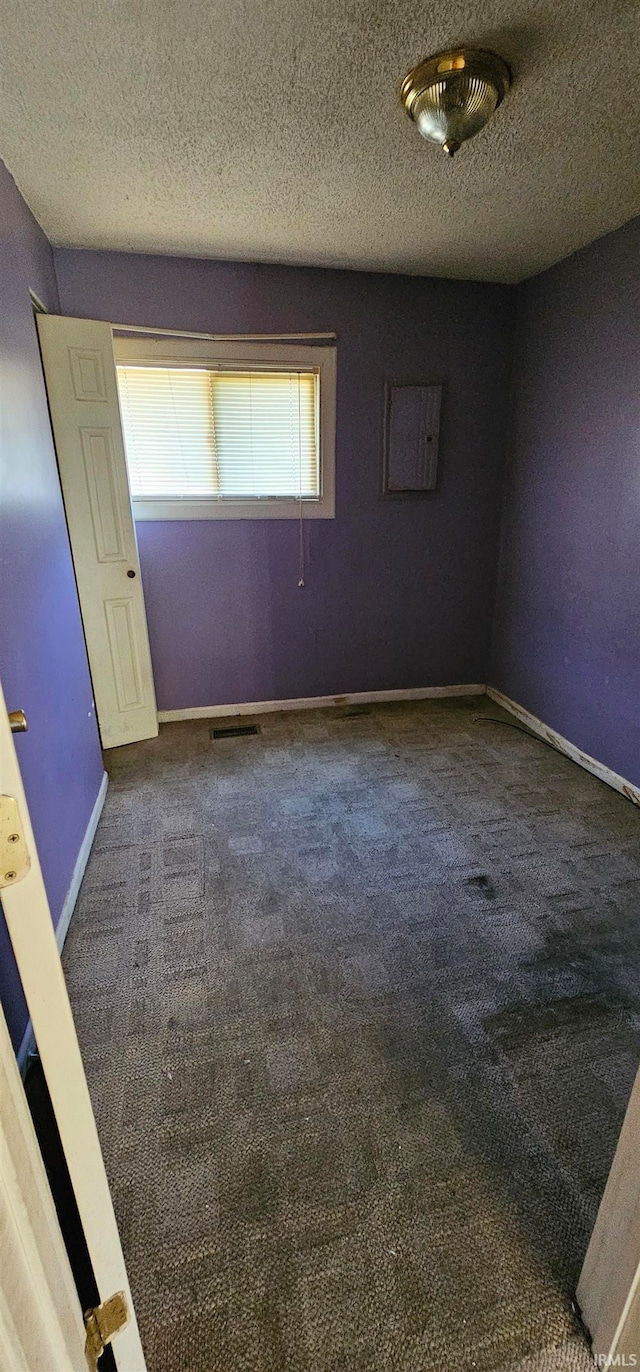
x,y
451,95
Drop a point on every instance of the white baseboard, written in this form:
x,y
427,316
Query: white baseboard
x,y
70,899
264,707
81,862
563,745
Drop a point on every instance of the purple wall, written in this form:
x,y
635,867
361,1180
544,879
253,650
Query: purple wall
x,y
398,592
567,622
43,663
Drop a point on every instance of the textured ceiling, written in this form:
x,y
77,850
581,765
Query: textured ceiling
x,y
270,130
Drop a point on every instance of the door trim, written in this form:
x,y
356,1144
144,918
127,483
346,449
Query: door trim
x,y
66,914
41,1324
609,1286
28,918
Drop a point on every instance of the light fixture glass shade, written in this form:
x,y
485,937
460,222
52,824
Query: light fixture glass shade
x,y
452,95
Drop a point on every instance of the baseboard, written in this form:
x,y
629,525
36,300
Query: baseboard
x,y
69,905
264,707
82,859
564,745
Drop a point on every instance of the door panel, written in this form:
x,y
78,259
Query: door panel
x,y
80,374
124,657
102,486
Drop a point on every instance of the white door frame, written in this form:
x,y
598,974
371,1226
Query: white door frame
x,y
609,1287
30,926
41,1324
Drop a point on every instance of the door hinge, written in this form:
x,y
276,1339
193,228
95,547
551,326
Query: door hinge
x,y
101,1324
14,854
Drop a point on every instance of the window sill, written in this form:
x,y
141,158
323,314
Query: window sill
x,y
232,509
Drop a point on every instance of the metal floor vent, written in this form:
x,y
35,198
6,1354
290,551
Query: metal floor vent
x,y
234,731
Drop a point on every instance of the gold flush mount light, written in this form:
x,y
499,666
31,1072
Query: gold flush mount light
x,y
451,95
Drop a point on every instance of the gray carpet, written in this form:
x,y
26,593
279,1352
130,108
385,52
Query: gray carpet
x,y
359,1002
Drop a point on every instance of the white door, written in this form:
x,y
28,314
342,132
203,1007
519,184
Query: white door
x,y
26,911
41,1325
80,374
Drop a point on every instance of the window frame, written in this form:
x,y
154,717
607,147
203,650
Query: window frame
x,y
185,352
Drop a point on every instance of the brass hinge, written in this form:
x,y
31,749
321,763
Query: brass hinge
x,y
101,1324
14,855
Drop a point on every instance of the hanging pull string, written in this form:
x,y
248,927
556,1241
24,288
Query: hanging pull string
x,y
301,566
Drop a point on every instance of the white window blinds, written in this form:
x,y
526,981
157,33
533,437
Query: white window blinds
x,y
196,433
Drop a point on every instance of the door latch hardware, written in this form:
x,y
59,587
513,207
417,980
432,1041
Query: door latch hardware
x,y
101,1323
14,855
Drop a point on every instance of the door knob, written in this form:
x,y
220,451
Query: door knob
x,y
131,573
18,721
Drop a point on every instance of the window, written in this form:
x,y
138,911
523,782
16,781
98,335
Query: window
x,y
227,430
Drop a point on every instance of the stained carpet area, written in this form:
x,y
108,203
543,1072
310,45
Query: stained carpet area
x,y
359,1003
